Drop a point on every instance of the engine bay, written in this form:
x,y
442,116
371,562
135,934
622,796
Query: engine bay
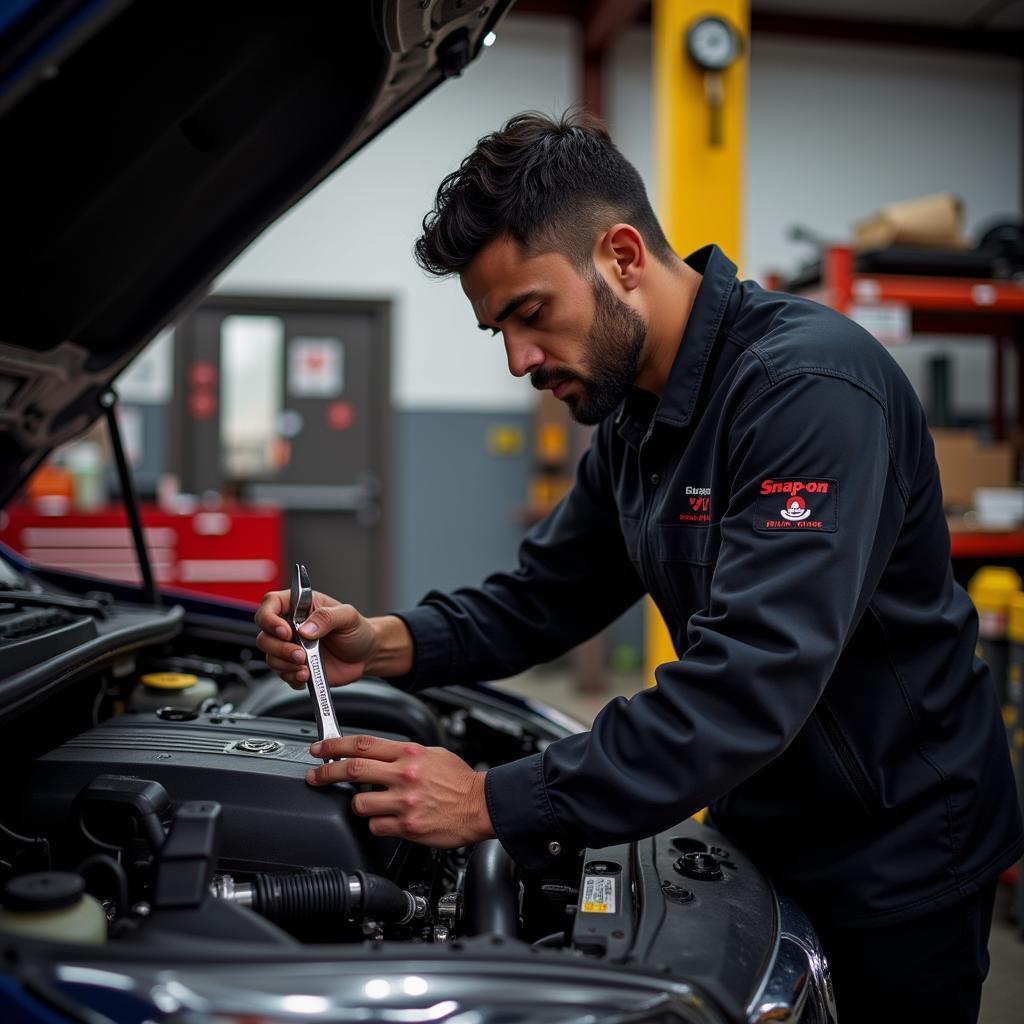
x,y
157,778
168,775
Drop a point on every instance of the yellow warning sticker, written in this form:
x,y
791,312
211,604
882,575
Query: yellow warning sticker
x,y
598,896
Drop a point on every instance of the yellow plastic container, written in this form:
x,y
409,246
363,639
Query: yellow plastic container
x,y
180,689
992,589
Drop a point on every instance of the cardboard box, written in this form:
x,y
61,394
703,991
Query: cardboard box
x,y
965,465
934,222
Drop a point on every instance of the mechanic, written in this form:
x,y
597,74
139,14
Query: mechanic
x,y
763,469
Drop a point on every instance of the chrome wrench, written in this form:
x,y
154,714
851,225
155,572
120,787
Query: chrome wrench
x,y
319,691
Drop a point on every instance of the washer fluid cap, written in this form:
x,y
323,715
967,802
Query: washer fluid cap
x,y
44,890
169,680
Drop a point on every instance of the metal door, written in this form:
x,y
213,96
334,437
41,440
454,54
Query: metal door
x,y
286,401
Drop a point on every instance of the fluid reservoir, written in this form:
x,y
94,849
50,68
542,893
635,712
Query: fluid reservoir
x,y
992,589
52,905
181,689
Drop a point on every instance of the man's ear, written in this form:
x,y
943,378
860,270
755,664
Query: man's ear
x,y
621,248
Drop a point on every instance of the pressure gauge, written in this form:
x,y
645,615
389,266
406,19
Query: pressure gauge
x,y
712,43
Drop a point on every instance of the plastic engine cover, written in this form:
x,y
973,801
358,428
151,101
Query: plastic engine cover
x,y
253,767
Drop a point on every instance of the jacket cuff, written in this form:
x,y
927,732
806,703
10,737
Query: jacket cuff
x,y
521,814
432,657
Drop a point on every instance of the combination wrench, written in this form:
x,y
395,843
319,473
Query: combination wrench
x,y
319,691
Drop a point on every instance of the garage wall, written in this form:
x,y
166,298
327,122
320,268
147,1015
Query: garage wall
x,y
457,505
354,234
835,131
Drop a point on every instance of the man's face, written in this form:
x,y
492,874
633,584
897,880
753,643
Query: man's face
x,y
570,334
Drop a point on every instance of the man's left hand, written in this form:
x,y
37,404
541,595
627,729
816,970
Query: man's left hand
x,y
432,796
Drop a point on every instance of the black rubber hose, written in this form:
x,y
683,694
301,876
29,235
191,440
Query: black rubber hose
x,y
292,899
114,871
490,902
383,900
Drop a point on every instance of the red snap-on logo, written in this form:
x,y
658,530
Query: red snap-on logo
x,y
794,486
797,505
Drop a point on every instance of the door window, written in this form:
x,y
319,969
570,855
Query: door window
x,y
251,358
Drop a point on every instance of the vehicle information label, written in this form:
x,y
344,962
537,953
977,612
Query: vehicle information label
x,y
598,895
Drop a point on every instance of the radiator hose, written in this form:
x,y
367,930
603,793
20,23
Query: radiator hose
x,y
303,897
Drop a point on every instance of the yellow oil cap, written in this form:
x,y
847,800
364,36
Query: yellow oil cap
x,y
1015,627
992,588
169,680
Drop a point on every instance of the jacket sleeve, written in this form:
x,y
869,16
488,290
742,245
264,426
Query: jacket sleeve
x,y
574,577
783,601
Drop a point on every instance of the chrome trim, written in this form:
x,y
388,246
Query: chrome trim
x,y
797,985
379,991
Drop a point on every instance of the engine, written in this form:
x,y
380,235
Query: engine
x,y
192,817
252,767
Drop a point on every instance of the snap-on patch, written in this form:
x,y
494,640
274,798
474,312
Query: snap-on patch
x,y
797,503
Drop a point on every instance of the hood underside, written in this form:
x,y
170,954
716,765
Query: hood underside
x,y
146,144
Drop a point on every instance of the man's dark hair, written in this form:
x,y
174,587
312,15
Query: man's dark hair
x,y
553,185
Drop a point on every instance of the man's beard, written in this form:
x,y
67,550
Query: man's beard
x,y
613,346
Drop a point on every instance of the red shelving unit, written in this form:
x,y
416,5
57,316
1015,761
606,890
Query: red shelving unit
x,y
942,305
936,305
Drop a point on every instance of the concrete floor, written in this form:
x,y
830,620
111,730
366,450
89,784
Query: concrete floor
x,y
1003,994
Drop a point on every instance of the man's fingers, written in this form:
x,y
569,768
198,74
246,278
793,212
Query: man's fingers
x,y
353,769
296,680
282,650
375,748
376,804
336,618
270,614
388,826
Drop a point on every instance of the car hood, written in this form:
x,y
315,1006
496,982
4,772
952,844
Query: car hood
x,y
146,144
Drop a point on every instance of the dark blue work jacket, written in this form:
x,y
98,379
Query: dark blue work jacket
x,y
781,504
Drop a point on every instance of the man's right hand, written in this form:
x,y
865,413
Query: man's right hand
x,y
348,640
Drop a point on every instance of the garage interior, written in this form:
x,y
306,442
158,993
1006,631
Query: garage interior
x,y
327,403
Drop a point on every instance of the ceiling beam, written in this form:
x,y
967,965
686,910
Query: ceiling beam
x,y
606,19
575,9
1002,43
889,33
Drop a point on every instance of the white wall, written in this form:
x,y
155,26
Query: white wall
x,y
837,131
353,236
834,132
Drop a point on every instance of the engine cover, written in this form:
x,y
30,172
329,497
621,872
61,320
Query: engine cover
x,y
253,767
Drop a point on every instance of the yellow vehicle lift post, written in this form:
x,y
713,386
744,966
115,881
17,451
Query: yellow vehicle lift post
x,y
699,122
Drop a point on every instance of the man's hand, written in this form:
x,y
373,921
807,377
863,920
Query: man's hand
x,y
351,645
433,797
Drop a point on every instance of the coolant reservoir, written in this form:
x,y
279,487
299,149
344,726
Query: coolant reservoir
x,y
182,689
52,905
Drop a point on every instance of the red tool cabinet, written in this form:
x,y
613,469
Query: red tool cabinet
x,y
232,551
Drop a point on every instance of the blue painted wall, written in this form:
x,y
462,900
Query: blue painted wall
x,y
456,508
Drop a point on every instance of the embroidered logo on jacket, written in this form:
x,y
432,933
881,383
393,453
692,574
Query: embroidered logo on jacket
x,y
699,501
797,504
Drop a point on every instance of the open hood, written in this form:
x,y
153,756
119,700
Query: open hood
x,y
146,144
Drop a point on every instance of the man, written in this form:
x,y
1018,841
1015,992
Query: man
x,y
763,469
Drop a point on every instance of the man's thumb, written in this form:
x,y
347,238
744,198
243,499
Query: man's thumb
x,y
329,620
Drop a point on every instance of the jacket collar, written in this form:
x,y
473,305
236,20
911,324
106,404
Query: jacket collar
x,y
711,309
